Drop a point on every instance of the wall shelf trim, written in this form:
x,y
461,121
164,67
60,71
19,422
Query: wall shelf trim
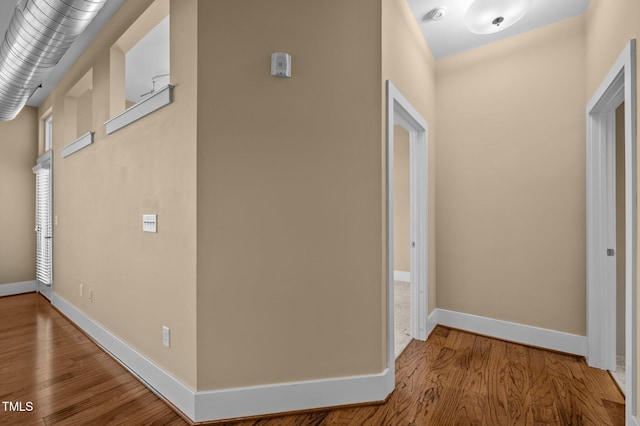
x,y
75,146
154,102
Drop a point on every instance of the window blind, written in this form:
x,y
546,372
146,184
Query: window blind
x,y
44,240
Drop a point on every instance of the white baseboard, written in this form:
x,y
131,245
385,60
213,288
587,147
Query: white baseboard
x,y
286,397
238,402
519,333
432,321
633,421
158,379
402,276
17,288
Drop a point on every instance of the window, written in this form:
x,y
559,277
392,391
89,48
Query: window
x,y
140,68
44,230
48,132
147,64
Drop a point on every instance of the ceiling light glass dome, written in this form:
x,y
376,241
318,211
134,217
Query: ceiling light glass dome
x,y
491,16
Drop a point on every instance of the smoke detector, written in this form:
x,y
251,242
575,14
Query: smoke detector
x,y
436,14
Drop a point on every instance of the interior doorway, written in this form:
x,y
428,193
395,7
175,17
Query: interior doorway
x,y
620,249
401,113
401,238
44,226
618,90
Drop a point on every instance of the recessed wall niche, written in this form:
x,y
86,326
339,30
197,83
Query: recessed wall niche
x,y
78,108
78,115
140,59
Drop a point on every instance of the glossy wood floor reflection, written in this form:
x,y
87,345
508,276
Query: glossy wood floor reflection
x,y
455,378
458,378
69,380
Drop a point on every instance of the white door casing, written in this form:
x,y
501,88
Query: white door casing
x,y
618,86
401,112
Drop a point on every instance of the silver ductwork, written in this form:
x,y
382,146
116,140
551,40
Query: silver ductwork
x,y
39,34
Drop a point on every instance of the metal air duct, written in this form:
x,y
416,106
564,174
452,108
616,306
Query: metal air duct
x,y
39,34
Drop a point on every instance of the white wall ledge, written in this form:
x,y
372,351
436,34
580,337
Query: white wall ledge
x,y
154,102
75,146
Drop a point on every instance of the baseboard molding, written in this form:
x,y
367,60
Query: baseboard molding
x,y
159,380
238,402
432,322
402,276
519,333
287,397
17,288
633,421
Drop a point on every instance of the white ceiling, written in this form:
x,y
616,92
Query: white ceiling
x,y
450,35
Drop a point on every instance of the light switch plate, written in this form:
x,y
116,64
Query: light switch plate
x,y
166,336
150,223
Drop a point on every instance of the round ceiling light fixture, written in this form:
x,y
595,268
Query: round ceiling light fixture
x,y
436,14
491,16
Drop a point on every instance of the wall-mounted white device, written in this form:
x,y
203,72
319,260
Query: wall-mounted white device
x,y
166,336
150,223
281,65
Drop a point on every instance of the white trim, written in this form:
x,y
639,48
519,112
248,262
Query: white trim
x,y
44,158
403,276
154,102
432,321
400,111
619,85
513,332
155,377
238,402
48,131
295,396
75,146
633,421
17,288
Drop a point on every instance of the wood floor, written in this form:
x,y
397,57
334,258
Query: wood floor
x,y
455,378
68,379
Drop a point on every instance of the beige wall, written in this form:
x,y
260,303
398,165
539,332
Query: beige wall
x,y
510,183
408,62
290,235
609,27
401,200
140,282
18,152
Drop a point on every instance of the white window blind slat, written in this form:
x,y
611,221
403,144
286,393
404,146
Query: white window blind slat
x,y
44,240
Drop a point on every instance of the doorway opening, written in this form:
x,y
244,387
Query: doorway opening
x,y
619,373
401,239
44,226
401,113
606,257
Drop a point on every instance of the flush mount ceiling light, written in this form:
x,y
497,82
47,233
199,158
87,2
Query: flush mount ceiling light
x,y
491,16
436,14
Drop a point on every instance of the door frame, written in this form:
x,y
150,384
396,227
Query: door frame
x,y
46,161
400,111
618,86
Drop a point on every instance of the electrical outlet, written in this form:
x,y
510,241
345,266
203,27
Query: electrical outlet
x,y
166,339
81,290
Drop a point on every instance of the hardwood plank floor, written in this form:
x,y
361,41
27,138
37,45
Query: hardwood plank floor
x,y
455,378
458,378
69,380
